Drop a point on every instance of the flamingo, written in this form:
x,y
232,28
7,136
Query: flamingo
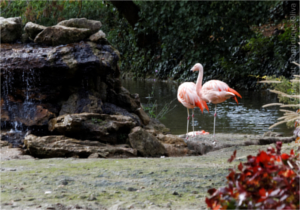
x,y
213,91
187,96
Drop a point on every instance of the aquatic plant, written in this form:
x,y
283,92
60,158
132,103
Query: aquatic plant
x,y
269,180
151,107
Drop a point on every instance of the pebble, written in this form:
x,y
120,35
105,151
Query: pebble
x,y
92,197
175,193
131,189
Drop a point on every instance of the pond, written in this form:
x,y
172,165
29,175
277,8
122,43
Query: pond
x,y
247,117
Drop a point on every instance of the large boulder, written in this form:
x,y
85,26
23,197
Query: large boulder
x,y
175,146
59,35
67,31
61,146
145,143
11,29
112,129
92,25
33,29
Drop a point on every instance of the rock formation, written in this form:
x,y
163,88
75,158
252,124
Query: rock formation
x,y
69,98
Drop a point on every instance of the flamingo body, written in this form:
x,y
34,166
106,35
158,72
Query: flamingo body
x,y
216,91
187,96
213,91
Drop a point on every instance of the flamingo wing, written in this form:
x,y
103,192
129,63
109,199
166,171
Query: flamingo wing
x,y
187,95
216,91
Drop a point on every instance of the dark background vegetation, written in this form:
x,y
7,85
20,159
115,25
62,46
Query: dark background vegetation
x,y
237,42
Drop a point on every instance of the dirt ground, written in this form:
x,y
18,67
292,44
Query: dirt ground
x,y
134,183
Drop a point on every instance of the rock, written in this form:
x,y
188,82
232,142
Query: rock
x,y
143,116
171,139
11,29
124,99
174,145
33,29
198,146
92,25
11,138
154,124
112,129
36,82
175,193
272,134
98,37
112,109
93,156
145,143
131,189
62,146
60,35
4,143
79,103
27,113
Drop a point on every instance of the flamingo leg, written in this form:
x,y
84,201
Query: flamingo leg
x,y
193,122
188,120
215,116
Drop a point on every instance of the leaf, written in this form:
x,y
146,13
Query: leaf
x,y
212,191
233,156
285,156
240,167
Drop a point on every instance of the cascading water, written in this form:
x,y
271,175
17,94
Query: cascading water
x,y
18,105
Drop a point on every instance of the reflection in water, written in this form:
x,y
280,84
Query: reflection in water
x,y
247,117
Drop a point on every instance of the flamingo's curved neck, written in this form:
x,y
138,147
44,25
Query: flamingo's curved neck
x,y
199,82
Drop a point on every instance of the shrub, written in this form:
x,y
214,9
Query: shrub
x,y
266,181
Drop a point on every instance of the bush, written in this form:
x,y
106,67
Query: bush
x,y
266,181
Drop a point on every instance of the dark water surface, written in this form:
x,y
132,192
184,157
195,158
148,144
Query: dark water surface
x,y
248,117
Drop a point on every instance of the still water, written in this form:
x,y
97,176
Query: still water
x,y
247,117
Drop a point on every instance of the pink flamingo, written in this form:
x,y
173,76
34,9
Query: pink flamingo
x,y
213,91
187,96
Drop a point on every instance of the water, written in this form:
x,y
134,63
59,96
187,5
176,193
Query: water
x,y
248,117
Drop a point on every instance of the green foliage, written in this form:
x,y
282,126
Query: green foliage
x,y
288,87
219,35
261,56
51,12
